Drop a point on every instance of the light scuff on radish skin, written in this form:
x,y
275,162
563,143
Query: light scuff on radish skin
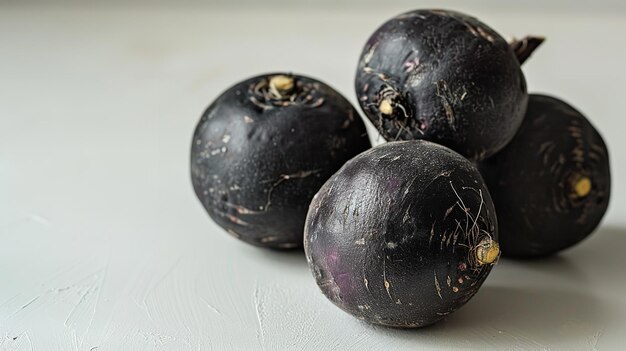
x,y
445,77
407,229
264,148
551,185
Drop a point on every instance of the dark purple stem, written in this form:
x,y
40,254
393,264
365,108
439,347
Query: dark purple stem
x,y
525,47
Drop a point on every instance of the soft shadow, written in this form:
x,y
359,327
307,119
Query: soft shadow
x,y
600,256
282,258
608,241
603,255
560,265
546,303
503,317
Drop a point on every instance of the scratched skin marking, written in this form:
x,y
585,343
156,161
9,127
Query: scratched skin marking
x,y
256,174
394,236
415,81
552,183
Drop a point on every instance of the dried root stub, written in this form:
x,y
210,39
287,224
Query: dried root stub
x,y
551,184
445,77
263,149
403,235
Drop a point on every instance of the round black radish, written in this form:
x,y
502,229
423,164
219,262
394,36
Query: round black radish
x,y
551,184
402,235
264,148
445,77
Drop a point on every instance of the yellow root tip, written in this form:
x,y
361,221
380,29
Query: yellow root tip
x,y
487,252
281,85
385,107
582,186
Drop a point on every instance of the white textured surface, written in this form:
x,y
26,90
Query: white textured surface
x,y
103,245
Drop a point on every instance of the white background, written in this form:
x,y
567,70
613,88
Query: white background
x,y
103,245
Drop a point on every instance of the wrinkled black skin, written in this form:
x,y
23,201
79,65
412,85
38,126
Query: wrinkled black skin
x,y
529,180
399,193
467,92
288,151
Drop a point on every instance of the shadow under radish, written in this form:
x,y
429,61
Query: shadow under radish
x,y
514,318
566,301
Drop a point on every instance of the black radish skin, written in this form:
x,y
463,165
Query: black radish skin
x,y
445,77
264,148
402,235
551,184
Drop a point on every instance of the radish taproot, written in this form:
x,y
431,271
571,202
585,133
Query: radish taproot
x,y
262,150
402,235
551,184
442,76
